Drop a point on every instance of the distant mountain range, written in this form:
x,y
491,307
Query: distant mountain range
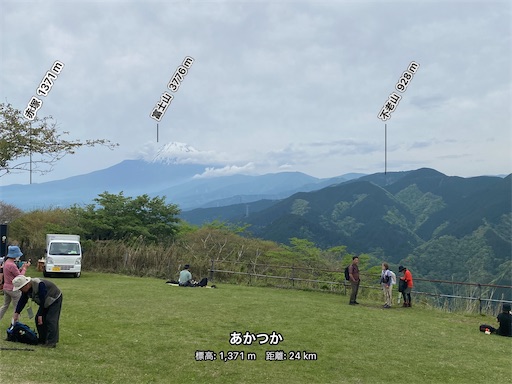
x,y
180,182
415,215
444,226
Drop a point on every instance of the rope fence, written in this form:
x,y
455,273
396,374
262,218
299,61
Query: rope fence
x,y
303,278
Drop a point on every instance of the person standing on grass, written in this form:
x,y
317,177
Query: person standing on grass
x,y
11,270
2,274
49,298
353,272
407,277
386,281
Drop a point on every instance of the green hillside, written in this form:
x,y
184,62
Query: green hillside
x,y
443,226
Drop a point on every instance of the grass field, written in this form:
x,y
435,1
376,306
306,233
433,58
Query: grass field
x,y
119,329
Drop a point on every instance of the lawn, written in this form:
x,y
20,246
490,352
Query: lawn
x,y
120,329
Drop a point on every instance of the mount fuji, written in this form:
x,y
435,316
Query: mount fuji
x,y
176,171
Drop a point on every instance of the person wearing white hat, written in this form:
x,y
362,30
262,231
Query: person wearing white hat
x,y
49,298
11,270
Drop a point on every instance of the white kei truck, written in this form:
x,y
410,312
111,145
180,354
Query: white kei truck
x,y
63,255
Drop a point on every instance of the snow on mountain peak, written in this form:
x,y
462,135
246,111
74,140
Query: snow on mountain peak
x,y
173,153
181,153
174,150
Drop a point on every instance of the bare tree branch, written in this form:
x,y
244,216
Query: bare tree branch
x,y
20,138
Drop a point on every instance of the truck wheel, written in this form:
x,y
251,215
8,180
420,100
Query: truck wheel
x,y
77,274
46,274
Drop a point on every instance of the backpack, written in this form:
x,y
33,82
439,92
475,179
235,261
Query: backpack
x,y
402,285
488,328
347,273
393,277
21,333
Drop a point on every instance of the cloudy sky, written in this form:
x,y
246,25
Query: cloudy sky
x,y
274,86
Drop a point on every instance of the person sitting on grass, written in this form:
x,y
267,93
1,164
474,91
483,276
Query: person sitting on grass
x,y
505,321
186,280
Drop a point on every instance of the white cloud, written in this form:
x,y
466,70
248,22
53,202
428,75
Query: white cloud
x,y
227,171
287,84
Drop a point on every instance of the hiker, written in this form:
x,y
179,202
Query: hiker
x,y
386,280
407,277
353,272
185,279
505,321
2,275
10,271
49,298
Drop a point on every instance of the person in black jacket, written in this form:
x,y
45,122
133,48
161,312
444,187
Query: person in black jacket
x,y
505,321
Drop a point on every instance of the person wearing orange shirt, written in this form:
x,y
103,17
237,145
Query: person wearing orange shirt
x,y
407,277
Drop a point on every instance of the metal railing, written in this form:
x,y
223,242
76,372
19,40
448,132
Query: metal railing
x,y
297,276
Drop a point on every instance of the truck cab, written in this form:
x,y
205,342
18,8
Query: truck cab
x,y
63,254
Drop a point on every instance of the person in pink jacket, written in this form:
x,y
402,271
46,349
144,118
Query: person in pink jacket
x,y
11,270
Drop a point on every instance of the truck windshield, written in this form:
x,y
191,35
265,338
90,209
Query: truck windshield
x,y
64,249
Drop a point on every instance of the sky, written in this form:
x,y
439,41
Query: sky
x,y
273,86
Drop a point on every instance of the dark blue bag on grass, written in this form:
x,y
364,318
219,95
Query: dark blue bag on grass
x,y
21,333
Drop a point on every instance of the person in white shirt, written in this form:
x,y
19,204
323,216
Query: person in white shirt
x,y
185,279
386,280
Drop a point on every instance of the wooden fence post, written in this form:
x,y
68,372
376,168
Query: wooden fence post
x,y
211,270
479,298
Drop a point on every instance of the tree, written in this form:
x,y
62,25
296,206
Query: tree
x,y
9,212
238,228
21,139
118,217
30,228
305,251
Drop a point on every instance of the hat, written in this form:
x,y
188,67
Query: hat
x,y
19,282
187,266
401,268
14,252
506,307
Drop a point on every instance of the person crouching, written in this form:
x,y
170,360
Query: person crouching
x,y
49,298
